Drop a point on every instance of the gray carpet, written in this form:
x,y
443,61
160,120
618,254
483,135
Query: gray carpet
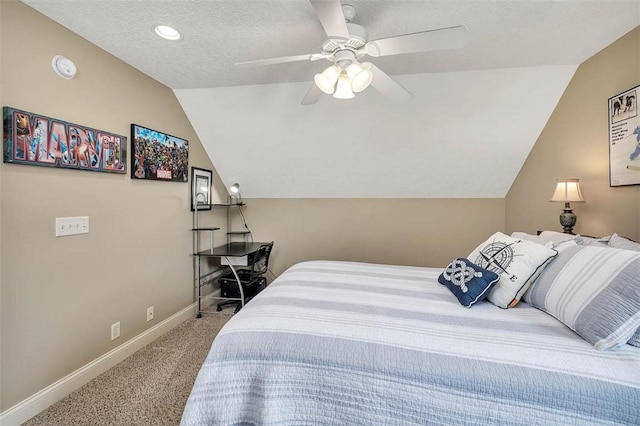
x,y
150,387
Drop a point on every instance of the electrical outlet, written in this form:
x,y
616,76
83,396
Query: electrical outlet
x,y
115,330
149,313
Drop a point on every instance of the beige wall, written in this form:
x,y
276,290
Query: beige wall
x,y
575,143
420,232
61,295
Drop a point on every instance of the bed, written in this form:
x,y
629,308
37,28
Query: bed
x,y
355,343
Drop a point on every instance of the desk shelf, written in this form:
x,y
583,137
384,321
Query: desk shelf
x,y
229,255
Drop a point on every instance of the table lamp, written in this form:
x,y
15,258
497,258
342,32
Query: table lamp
x,y
567,191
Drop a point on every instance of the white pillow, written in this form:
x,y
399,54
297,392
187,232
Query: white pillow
x,y
560,237
528,237
598,242
617,241
518,263
548,236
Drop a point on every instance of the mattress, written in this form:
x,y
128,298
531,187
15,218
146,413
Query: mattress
x,y
354,343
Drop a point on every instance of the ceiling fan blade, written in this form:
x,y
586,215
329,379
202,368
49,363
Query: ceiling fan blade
x,y
281,60
425,41
388,86
331,17
312,95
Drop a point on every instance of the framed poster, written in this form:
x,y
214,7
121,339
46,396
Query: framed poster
x,y
36,140
158,156
200,189
624,139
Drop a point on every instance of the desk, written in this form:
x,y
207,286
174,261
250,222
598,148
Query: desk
x,y
232,254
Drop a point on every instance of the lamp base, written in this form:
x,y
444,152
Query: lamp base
x,y
568,221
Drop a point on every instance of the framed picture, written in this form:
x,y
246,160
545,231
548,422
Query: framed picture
x,y
624,139
200,189
158,156
36,140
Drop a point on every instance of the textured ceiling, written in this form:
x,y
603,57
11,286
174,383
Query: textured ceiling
x,y
219,33
475,113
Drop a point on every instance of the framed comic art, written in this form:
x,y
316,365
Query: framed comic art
x,y
158,156
624,139
37,140
200,189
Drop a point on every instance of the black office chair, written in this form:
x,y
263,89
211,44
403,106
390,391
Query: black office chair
x,y
252,279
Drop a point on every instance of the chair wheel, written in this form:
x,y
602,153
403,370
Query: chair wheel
x,y
219,308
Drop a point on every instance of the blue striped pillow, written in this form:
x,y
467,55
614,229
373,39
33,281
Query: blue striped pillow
x,y
595,291
635,339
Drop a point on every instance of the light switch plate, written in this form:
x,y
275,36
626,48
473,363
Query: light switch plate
x,y
66,226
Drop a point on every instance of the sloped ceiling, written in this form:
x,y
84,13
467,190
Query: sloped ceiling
x,y
462,135
474,116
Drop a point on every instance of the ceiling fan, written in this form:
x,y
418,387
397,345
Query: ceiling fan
x,y
347,43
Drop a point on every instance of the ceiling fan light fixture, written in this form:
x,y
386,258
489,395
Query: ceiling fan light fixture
x,y
343,88
327,80
359,76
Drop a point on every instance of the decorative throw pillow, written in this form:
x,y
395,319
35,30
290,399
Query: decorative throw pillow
x,y
594,291
516,261
623,243
467,281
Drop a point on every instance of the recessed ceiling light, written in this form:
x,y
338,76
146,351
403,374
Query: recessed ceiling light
x,y
167,32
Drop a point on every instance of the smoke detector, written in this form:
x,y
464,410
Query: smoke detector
x,y
64,67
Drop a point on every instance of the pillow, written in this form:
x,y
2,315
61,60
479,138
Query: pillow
x,y
548,236
564,245
516,261
467,281
599,242
635,339
623,243
559,237
528,237
595,291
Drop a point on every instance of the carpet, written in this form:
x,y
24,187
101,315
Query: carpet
x,y
150,387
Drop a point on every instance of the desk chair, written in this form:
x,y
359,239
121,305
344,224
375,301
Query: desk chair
x,y
252,279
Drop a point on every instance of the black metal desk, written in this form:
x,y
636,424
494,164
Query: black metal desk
x,y
232,254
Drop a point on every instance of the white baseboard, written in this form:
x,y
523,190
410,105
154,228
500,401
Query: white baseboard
x,y
39,401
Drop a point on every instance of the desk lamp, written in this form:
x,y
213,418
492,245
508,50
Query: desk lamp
x,y
234,191
567,191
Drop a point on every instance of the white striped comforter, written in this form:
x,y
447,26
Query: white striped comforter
x,y
352,343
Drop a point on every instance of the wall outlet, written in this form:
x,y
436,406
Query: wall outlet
x,y
115,330
149,313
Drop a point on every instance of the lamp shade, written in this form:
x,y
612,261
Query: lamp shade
x,y
235,188
327,80
360,76
343,88
567,191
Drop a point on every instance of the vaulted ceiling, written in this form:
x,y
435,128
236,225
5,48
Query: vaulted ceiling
x,y
474,115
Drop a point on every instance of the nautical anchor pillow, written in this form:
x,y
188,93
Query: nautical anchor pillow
x,y
517,262
467,281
